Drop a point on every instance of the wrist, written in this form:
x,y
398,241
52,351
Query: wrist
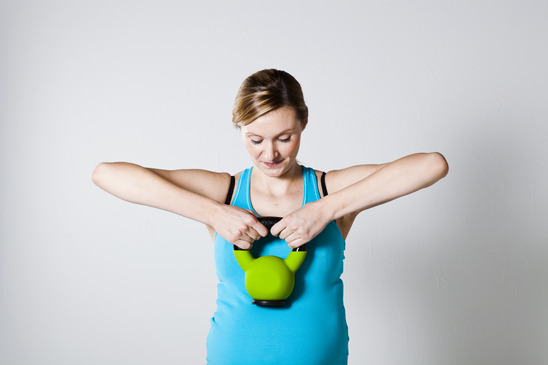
x,y
326,208
213,212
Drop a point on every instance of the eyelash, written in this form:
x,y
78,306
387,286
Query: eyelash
x,y
284,140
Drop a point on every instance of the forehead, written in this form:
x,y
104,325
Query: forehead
x,y
276,121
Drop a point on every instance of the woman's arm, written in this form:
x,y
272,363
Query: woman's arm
x,y
353,192
194,194
358,188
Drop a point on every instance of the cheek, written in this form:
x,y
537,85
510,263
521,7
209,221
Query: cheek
x,y
288,150
293,146
251,148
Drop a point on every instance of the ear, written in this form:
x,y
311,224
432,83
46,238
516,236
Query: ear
x,y
304,123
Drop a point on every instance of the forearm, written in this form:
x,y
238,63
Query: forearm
x,y
395,179
140,185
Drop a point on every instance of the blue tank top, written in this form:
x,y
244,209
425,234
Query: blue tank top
x,y
310,330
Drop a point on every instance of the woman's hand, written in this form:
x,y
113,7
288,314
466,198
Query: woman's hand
x,y
238,226
302,225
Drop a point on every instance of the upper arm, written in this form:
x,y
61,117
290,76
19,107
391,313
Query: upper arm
x,y
212,185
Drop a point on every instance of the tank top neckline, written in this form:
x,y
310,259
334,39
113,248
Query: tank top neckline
x,y
244,188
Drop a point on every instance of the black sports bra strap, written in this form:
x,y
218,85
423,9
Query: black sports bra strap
x,y
230,190
324,187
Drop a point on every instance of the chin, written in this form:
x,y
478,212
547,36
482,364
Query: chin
x,y
272,172
280,170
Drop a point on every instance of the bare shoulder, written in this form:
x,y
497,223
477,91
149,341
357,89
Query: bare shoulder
x,y
213,185
336,180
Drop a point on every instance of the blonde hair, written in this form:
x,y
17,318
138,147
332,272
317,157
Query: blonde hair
x,y
265,91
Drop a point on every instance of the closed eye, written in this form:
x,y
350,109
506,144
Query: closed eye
x,y
284,140
254,141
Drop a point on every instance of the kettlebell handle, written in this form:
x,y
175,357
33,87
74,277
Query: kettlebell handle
x,y
268,222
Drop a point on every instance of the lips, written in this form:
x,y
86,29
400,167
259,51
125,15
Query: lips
x,y
271,164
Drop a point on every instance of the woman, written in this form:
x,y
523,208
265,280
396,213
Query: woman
x,y
271,114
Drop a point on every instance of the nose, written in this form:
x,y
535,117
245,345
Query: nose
x,y
270,152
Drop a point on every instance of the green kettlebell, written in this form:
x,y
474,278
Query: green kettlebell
x,y
269,280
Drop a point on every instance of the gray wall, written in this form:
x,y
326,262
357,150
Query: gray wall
x,y
452,275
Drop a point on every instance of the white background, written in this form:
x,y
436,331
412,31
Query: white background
x,y
452,275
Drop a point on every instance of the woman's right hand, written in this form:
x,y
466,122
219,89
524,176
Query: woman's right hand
x,y
195,194
238,226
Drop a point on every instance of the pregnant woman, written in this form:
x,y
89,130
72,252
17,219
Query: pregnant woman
x,y
318,208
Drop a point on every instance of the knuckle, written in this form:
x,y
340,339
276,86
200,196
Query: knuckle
x,y
248,220
242,227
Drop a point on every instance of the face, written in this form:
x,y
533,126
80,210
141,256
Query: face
x,y
273,140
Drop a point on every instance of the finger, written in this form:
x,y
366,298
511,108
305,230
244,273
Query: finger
x,y
250,236
284,235
297,242
244,245
290,238
241,236
253,234
286,232
278,228
260,229
291,242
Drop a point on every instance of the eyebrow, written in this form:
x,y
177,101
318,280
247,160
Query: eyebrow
x,y
289,130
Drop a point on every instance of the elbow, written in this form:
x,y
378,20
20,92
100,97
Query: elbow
x,y
438,165
97,172
100,172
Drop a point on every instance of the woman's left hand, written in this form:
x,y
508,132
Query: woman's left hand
x,y
301,226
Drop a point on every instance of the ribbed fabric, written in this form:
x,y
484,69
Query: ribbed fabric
x,y
310,330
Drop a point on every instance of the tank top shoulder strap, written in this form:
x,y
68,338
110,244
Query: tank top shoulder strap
x,y
230,190
324,186
241,196
310,183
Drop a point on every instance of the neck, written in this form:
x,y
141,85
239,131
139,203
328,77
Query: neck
x,y
281,185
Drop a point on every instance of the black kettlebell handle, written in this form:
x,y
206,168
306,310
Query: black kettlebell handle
x,y
268,222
